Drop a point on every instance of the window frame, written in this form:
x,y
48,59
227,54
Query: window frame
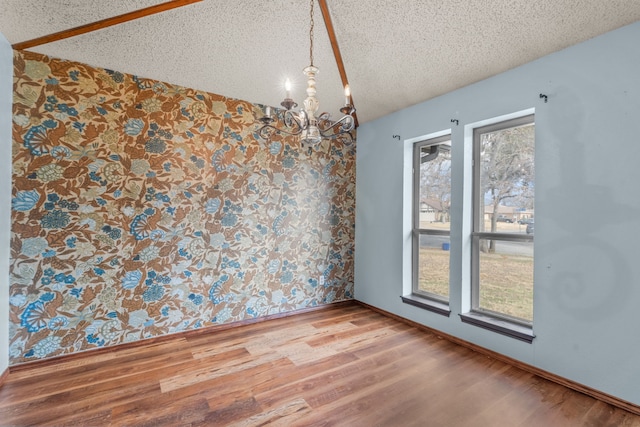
x,y
430,301
489,319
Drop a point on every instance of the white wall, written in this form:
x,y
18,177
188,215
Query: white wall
x,y
587,242
6,96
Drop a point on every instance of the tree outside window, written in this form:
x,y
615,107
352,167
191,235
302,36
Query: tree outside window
x,y
504,185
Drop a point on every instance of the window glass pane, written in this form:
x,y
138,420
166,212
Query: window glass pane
x,y
506,177
506,278
433,268
434,192
432,203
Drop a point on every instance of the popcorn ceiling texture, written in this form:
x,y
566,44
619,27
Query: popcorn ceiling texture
x,y
396,53
140,208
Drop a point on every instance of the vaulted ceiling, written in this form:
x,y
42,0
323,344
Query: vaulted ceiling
x,y
395,53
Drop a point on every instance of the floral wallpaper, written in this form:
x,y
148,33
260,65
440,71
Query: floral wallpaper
x,y
141,209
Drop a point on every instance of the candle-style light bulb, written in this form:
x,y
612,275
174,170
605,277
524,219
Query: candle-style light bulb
x,y
287,88
347,94
288,102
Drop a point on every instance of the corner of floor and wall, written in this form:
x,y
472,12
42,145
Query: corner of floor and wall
x,y
587,207
6,82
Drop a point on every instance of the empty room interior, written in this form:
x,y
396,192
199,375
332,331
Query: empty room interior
x,y
324,212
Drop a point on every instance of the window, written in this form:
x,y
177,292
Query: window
x,y
431,223
503,225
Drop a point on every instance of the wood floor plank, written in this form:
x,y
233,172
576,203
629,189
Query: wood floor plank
x,y
342,381
119,361
600,415
343,366
218,367
284,415
221,394
237,411
70,404
288,382
192,409
234,386
379,400
95,374
369,402
518,402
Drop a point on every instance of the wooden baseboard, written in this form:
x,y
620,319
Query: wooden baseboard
x,y
596,394
184,334
4,376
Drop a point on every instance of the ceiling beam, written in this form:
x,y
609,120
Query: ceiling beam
x,y
336,49
98,25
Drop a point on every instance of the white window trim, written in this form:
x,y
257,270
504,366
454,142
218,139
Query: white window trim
x,y
407,228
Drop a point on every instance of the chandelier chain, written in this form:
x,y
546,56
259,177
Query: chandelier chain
x,y
311,34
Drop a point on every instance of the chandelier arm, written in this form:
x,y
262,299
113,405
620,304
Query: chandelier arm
x,y
292,125
266,129
325,124
324,117
346,124
344,136
291,118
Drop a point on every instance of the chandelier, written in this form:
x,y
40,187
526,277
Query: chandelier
x,y
311,128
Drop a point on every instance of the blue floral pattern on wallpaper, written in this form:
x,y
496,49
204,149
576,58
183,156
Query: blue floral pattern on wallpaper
x,y
142,208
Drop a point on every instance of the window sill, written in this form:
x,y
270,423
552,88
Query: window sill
x,y
426,303
501,326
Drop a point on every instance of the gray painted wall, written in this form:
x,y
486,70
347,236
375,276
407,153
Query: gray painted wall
x,y
587,265
6,96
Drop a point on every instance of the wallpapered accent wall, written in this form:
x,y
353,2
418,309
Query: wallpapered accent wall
x,y
141,208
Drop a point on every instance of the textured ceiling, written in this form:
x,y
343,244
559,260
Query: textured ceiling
x,y
396,53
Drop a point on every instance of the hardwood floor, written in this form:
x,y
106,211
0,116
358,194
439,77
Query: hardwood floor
x,y
343,366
